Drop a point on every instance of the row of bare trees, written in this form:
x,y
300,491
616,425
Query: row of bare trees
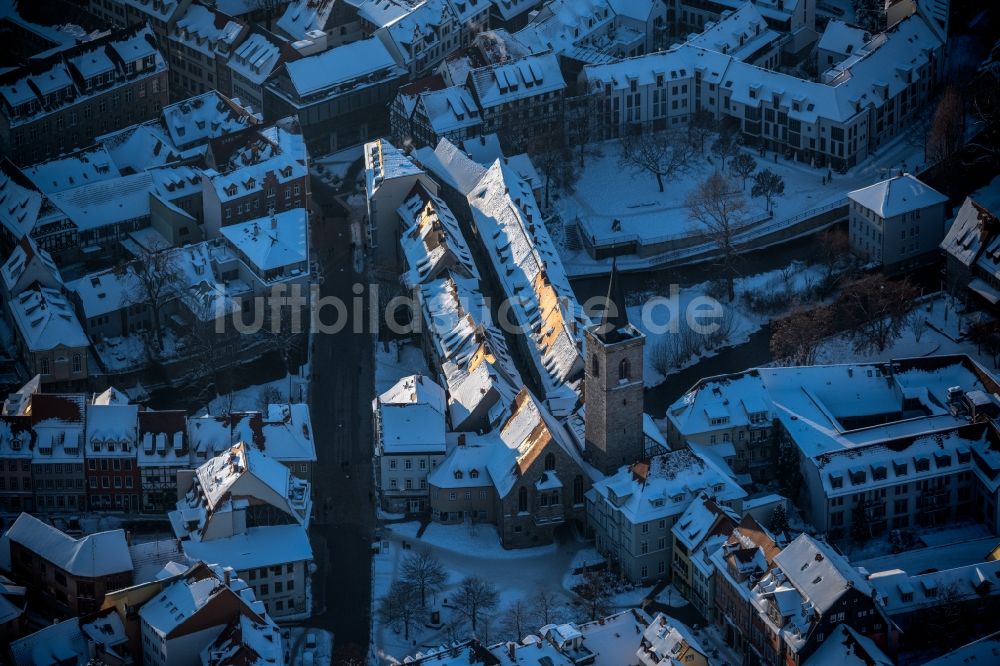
x,y
873,310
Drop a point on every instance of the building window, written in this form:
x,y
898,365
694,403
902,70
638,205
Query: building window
x,y
550,462
623,370
522,499
595,366
77,363
578,489
43,365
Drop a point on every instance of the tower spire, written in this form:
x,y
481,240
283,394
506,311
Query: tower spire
x,y
614,319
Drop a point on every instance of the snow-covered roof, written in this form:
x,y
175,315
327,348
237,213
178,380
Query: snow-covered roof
x,y
90,556
59,643
973,229
507,83
449,109
820,574
69,171
257,547
739,34
249,178
274,242
304,16
451,166
531,274
207,31
106,202
163,438
900,592
383,161
112,429
184,598
982,651
669,642
412,416
843,38
16,436
25,252
138,147
45,320
509,9
342,67
48,85
846,647
231,475
702,519
255,59
245,641
476,364
465,465
486,150
381,13
666,486
203,117
896,196
522,438
105,292
163,10
561,25
22,201
431,240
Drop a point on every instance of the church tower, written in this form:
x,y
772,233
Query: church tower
x,y
613,387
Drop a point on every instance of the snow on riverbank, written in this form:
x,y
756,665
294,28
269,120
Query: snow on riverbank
x,y
669,348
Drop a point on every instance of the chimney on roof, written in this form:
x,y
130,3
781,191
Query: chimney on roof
x,y
461,439
227,574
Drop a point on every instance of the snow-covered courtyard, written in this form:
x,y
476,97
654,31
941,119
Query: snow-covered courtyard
x,y
607,191
518,575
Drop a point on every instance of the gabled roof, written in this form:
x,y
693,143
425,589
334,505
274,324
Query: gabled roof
x,y
341,66
897,195
973,229
45,320
68,171
91,556
432,240
207,116
20,259
520,79
820,574
846,647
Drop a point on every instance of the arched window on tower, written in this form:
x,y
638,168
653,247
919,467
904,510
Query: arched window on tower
x,y
522,499
623,369
595,366
550,462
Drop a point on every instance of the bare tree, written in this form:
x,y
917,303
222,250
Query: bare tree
x,y
152,278
769,185
424,573
984,107
743,165
579,120
663,154
876,309
795,339
727,144
545,604
475,597
701,126
517,620
595,591
269,395
870,15
400,608
559,169
719,210
945,137
835,249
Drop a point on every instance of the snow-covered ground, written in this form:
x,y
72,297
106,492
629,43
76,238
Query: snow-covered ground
x,y
607,191
933,329
249,398
475,550
393,361
297,646
670,350
989,195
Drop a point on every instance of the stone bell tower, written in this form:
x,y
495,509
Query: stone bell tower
x,y
613,387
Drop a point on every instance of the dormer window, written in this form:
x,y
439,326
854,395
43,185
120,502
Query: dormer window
x,y
458,474
836,481
474,474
